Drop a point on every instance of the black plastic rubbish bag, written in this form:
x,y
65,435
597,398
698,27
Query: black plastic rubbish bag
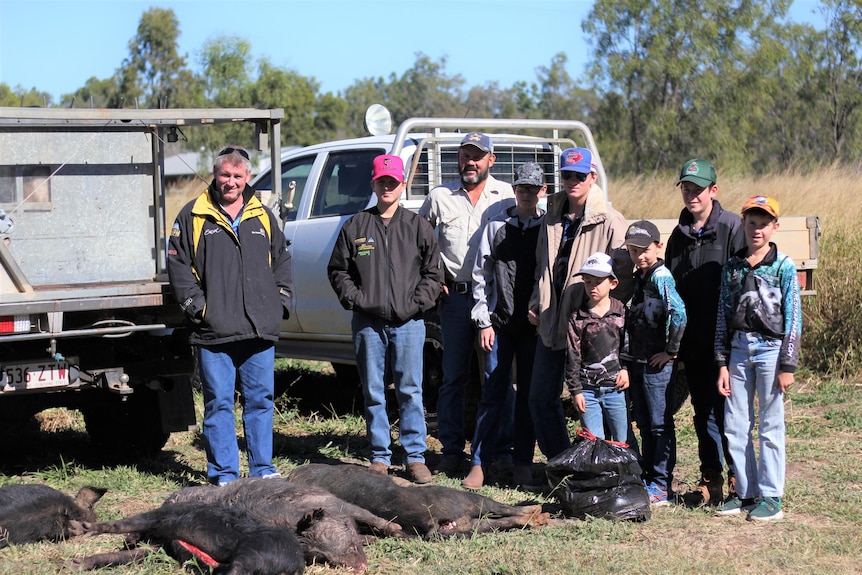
x,y
599,478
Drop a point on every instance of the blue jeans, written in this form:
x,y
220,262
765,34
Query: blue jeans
x,y
546,407
488,441
606,407
379,345
702,374
753,367
652,398
254,361
459,338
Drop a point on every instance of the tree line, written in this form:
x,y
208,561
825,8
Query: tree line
x,y
732,80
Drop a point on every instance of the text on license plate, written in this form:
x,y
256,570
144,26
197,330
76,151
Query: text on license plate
x,y
19,376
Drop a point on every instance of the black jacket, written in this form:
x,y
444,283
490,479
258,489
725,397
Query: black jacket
x,y
695,260
233,286
389,272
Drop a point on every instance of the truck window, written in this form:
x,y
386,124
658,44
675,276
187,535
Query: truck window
x,y
293,171
345,184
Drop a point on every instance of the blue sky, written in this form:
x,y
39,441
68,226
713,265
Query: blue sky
x,y
55,46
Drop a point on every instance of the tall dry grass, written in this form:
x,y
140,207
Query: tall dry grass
x,y
830,194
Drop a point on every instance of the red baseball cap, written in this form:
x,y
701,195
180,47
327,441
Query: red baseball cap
x,y
388,165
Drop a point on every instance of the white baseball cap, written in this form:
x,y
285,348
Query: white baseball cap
x,y
599,265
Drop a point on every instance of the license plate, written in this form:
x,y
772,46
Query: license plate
x,y
36,375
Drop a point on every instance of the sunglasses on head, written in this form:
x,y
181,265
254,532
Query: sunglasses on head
x,y
239,151
567,175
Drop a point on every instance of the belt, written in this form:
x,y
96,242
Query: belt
x,y
461,287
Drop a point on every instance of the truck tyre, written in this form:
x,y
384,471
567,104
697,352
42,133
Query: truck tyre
x,y
127,428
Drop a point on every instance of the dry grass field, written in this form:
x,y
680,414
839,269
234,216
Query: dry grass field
x,y
318,419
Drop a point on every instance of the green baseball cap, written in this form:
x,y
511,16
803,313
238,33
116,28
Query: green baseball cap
x,y
697,171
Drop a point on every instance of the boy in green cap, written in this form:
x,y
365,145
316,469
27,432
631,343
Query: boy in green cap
x,y
698,247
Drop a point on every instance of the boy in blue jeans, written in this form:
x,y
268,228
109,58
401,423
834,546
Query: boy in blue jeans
x,y
757,349
596,332
655,324
502,283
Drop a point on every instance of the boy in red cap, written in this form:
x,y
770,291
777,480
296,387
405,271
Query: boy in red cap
x,y
385,267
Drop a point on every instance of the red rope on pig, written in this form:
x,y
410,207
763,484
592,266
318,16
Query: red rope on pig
x,y
202,555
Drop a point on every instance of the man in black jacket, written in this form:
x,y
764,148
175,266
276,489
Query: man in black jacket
x,y
386,268
231,273
699,246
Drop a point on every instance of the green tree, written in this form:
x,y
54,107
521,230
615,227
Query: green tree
x,y
329,117
281,88
94,94
425,90
20,97
841,73
677,64
154,67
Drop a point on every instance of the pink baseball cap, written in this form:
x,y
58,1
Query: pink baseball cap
x,y
388,165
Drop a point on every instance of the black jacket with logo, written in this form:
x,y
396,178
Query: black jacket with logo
x,y
233,286
390,272
695,260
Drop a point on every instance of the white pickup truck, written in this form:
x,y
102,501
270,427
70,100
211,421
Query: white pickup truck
x,y
324,184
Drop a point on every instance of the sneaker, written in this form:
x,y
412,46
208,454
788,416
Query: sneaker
x,y
419,472
474,479
379,467
657,495
767,509
734,506
273,475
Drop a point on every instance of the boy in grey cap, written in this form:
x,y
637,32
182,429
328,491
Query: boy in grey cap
x,y
502,284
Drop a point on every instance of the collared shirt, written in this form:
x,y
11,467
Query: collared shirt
x,y
458,221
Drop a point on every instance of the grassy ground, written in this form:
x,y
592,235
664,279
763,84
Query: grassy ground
x,y
819,535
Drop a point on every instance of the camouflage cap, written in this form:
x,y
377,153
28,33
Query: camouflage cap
x,y
529,174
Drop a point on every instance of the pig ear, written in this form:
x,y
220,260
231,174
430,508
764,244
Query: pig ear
x,y
88,495
308,519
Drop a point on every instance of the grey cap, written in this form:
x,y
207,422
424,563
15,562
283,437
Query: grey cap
x,y
480,140
642,233
529,174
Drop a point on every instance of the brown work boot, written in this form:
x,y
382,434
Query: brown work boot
x,y
419,472
709,491
379,467
474,479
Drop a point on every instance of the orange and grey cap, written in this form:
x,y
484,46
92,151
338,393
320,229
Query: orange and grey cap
x,y
763,203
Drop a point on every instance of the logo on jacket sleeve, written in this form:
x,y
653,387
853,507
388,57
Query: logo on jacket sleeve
x,y
364,246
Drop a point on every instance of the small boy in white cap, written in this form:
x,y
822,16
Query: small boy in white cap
x,y
596,333
655,324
